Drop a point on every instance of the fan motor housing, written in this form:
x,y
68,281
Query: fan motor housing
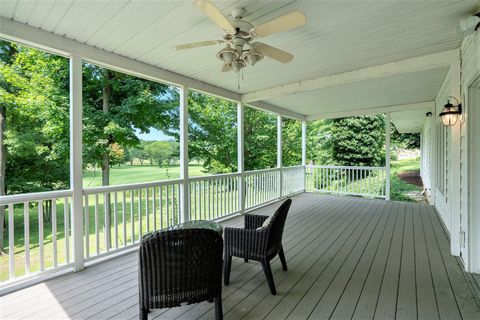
x,y
242,28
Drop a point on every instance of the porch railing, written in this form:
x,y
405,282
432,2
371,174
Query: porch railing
x,y
46,233
116,217
361,181
213,197
261,186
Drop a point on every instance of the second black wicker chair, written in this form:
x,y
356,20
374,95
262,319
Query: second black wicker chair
x,y
257,243
180,267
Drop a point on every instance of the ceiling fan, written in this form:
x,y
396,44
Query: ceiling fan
x,y
240,49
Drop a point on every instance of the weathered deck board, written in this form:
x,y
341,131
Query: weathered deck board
x,y
347,257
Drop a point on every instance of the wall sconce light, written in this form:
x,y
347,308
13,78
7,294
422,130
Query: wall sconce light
x,y
450,113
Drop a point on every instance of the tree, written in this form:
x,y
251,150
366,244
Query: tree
x,y
319,142
138,153
291,142
115,105
162,152
212,132
260,139
358,141
405,140
34,120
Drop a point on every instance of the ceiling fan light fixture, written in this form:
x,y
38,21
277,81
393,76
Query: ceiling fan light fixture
x,y
237,65
253,57
227,55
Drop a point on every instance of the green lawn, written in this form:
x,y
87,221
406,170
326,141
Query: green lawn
x,y
126,174
134,174
119,175
399,187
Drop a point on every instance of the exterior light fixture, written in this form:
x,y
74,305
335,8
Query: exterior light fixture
x,y
450,113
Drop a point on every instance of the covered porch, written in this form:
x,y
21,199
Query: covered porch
x,y
348,258
352,253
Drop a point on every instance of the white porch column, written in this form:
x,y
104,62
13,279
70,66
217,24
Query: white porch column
x,y
184,186
279,153
387,156
240,156
304,154
76,182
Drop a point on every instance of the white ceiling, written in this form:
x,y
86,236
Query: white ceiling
x,y
409,121
339,36
382,92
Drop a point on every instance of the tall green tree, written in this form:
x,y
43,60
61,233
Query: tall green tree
x,y
319,142
34,120
115,106
291,142
212,132
358,141
260,139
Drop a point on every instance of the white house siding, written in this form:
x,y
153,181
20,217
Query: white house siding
x,y
470,150
426,158
441,154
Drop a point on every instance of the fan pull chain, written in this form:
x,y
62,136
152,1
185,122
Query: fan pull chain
x,y
238,81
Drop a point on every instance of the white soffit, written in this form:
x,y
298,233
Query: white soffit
x,y
339,36
409,121
395,90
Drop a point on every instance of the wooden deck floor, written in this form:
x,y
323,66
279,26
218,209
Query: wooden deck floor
x,y
347,258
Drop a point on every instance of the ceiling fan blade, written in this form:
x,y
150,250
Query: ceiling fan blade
x,y
288,21
272,52
215,15
196,44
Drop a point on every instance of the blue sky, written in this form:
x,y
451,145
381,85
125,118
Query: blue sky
x,y
154,135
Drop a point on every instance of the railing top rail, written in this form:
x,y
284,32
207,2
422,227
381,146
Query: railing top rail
x,y
293,167
132,186
24,197
214,176
262,170
347,167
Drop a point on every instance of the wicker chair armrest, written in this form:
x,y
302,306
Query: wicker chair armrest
x,y
245,243
254,221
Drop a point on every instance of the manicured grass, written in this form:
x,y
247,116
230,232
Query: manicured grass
x,y
126,174
399,187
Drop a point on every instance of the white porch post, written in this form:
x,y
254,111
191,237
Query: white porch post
x,y
240,156
184,186
279,153
76,183
387,156
304,154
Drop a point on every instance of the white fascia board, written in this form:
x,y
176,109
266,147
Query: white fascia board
x,y
427,106
278,110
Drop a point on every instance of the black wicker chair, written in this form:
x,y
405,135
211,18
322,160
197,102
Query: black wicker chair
x,y
257,243
180,267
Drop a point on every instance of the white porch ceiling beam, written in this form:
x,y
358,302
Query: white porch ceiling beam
x,y
21,33
427,106
422,63
268,107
